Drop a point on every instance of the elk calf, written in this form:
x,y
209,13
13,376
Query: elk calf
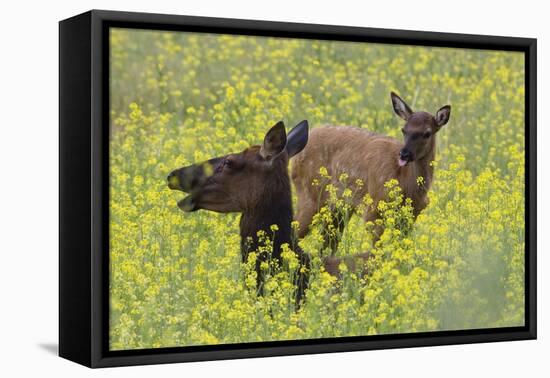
x,y
372,158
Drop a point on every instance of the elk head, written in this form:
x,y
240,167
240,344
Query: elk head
x,y
238,182
419,130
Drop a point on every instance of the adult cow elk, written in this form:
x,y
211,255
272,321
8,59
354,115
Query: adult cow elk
x,y
371,158
255,183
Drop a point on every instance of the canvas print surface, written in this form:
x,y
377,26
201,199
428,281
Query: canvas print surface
x,y
267,189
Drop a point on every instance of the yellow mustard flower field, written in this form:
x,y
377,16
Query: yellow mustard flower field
x,y
176,279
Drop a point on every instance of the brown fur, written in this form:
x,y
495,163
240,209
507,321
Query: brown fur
x,y
354,263
369,157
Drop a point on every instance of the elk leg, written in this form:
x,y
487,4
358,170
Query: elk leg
x,y
302,279
376,230
304,215
260,278
354,263
334,230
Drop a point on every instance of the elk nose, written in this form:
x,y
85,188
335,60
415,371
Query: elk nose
x,y
405,155
173,180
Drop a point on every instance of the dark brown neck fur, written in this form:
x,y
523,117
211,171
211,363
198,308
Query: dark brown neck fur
x,y
409,174
274,208
424,167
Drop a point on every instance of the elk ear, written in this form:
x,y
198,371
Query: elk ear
x,y
274,141
442,116
400,107
297,138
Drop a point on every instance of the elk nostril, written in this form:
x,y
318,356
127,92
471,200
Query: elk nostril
x,y
173,181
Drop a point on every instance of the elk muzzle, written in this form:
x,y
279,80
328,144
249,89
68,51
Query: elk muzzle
x,y
192,179
186,178
405,157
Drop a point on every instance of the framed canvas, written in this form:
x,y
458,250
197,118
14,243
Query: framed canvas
x,y
235,188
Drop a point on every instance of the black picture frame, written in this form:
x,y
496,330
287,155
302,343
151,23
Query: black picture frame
x,y
84,187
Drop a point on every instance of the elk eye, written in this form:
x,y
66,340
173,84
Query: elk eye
x,y
427,134
227,163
